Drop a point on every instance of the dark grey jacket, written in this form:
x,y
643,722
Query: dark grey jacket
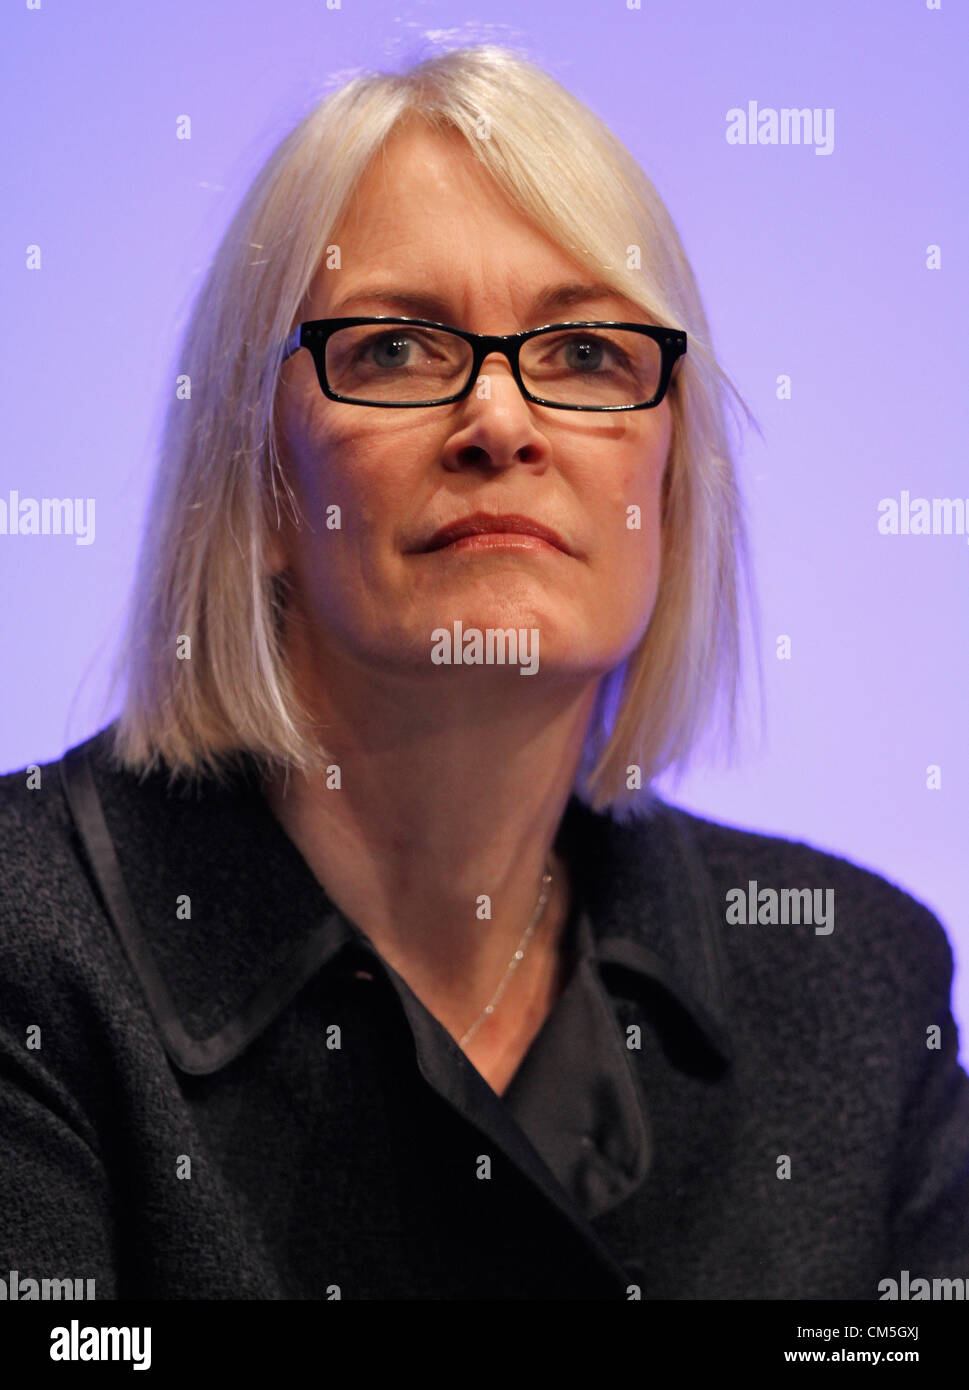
x,y
176,1122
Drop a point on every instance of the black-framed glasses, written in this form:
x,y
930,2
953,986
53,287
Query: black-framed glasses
x,y
399,362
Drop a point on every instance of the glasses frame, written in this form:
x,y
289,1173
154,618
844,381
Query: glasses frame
x,y
314,334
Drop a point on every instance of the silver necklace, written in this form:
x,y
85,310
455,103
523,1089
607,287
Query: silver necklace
x,y
519,955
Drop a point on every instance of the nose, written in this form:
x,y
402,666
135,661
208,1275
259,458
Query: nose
x,y
497,425
497,364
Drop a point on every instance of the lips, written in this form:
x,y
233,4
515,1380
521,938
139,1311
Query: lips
x,y
482,523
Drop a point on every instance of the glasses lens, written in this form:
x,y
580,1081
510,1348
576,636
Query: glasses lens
x,y
393,364
592,366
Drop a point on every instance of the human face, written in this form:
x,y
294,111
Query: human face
x,y
428,221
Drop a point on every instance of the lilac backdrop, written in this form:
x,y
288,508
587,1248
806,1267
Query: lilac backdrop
x,y
815,266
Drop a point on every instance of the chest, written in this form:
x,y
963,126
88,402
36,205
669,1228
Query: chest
x,y
498,1057
502,1041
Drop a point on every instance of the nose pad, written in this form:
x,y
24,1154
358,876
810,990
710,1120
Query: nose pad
x,y
485,371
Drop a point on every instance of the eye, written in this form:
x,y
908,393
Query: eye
x,y
584,352
388,350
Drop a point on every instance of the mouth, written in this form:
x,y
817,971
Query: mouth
x,y
485,532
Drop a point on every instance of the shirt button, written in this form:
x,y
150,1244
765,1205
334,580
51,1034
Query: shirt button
x,y
362,975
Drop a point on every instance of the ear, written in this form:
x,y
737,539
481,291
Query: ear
x,y
275,550
274,554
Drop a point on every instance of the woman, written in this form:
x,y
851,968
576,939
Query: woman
x,y
360,959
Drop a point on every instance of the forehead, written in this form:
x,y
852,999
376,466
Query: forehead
x,y
419,169
428,217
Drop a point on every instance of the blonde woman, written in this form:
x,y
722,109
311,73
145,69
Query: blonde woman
x,y
366,962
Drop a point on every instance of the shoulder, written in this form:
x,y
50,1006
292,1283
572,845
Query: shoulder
x,y
59,956
875,927
65,988
38,860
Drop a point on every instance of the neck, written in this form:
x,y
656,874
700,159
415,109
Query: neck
x,y
448,811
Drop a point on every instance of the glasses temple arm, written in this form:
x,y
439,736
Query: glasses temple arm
x,y
292,343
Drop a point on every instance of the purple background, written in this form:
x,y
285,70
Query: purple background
x,y
810,265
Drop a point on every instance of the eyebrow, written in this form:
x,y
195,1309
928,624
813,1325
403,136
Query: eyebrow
x,y
415,304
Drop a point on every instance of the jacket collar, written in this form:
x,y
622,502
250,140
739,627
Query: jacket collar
x,y
224,922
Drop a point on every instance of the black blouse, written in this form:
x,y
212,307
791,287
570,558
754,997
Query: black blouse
x,y
574,1093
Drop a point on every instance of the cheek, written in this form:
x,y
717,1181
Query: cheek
x,y
640,499
634,561
325,471
653,470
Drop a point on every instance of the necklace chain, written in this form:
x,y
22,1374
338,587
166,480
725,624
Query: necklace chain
x,y
516,959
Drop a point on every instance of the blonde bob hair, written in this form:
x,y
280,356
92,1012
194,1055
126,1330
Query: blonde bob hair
x,y
201,573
